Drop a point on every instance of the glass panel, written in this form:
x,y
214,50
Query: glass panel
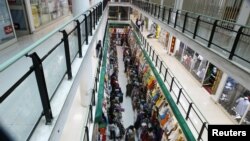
x,y
180,20
6,28
195,122
184,102
235,99
88,21
7,80
21,110
56,62
83,31
172,17
243,49
73,45
204,30
166,14
47,45
223,38
175,89
169,79
190,24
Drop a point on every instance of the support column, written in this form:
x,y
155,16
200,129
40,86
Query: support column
x,y
178,4
79,6
220,88
244,12
162,2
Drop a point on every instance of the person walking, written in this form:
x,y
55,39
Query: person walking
x,y
98,47
142,25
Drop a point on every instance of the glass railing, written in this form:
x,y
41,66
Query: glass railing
x,y
30,79
228,39
89,122
120,0
194,118
95,104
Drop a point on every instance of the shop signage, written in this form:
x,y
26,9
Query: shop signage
x,y
8,29
172,44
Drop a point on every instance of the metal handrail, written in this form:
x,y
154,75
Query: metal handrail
x,y
25,51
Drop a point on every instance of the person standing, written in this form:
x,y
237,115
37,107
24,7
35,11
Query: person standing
x,y
98,47
142,25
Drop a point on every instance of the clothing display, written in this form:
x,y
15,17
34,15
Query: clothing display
x,y
242,105
153,116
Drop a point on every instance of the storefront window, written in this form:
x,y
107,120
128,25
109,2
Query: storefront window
x,y
46,11
199,66
235,99
246,119
212,79
187,57
6,29
179,51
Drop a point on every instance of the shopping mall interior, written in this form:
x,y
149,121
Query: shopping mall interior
x,y
132,70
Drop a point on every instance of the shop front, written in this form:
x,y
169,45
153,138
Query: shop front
x,y
7,34
212,78
164,38
235,100
43,12
19,16
206,73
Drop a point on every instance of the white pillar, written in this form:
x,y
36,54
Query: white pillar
x,y
220,88
79,6
244,12
178,4
149,24
162,2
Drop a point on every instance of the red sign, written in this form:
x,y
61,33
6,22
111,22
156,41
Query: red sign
x,y
8,29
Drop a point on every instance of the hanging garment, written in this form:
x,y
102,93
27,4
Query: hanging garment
x,y
242,104
129,88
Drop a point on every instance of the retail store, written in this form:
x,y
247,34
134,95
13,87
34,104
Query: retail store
x,y
235,99
153,115
22,17
205,72
7,33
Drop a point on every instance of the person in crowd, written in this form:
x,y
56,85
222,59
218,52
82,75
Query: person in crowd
x,y
142,25
138,23
98,47
130,133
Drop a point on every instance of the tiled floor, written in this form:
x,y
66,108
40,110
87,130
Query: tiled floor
x,y
128,115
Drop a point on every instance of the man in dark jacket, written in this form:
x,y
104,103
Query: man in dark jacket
x,y
98,47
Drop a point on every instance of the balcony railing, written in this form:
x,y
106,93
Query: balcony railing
x,y
189,110
228,39
30,79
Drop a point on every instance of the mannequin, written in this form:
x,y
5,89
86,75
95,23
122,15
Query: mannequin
x,y
242,105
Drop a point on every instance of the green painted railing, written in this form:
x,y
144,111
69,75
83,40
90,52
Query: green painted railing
x,y
187,132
